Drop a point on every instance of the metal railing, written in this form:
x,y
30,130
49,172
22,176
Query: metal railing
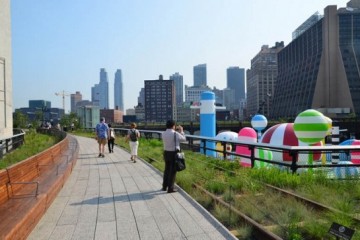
x,y
9,144
296,157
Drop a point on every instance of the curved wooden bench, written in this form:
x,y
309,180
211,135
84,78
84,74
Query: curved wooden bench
x,y
29,187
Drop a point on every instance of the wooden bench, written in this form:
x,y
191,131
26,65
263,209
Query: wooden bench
x,y
28,188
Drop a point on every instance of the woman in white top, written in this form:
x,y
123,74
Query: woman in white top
x,y
132,137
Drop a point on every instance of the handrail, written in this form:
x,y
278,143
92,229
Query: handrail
x,y
293,151
34,182
11,143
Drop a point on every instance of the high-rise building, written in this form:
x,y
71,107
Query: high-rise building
x,y
118,91
319,69
228,99
6,117
100,92
74,99
179,88
141,98
306,25
193,94
261,79
159,100
236,81
200,75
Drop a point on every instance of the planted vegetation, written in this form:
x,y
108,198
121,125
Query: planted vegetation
x,y
34,143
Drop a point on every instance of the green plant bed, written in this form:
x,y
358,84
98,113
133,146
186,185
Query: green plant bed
x,y
34,143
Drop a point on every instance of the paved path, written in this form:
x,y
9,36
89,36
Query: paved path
x,y
113,198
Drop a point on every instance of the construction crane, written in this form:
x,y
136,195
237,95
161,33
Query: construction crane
x,y
63,94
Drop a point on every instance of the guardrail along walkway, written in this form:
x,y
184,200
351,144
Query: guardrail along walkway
x,y
114,198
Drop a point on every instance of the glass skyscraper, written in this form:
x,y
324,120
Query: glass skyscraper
x,y
200,75
118,91
236,81
100,92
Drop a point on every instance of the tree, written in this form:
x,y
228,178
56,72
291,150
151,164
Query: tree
x,y
67,119
20,120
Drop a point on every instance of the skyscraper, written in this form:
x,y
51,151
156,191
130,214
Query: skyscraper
x,y
141,98
236,81
75,98
159,100
118,91
261,79
100,92
200,75
179,88
319,69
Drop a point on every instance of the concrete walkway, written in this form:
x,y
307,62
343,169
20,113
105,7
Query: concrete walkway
x,y
114,198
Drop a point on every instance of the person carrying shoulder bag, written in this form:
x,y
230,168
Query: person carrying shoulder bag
x,y
171,146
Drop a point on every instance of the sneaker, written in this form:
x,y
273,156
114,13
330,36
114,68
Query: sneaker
x,y
172,190
100,155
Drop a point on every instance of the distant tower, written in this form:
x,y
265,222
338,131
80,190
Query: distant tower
x,y
118,91
100,92
261,79
200,75
75,98
236,81
141,98
179,88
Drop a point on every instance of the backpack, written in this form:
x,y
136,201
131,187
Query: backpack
x,y
112,134
133,135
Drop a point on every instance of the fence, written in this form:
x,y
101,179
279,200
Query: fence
x,y
9,144
290,158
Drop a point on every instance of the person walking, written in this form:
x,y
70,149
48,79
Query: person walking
x,y
111,139
171,141
102,135
132,137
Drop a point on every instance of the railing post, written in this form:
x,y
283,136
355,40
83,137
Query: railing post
x,y
224,149
203,143
252,156
1,150
7,145
294,166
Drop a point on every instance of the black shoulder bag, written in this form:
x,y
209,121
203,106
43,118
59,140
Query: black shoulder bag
x,y
179,158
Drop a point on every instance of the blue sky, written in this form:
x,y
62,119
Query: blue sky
x,y
61,45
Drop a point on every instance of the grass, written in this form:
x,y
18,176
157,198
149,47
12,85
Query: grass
x,y
34,143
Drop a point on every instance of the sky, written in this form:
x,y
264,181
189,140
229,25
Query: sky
x,y
60,46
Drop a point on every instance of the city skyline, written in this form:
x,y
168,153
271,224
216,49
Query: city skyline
x,y
58,47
